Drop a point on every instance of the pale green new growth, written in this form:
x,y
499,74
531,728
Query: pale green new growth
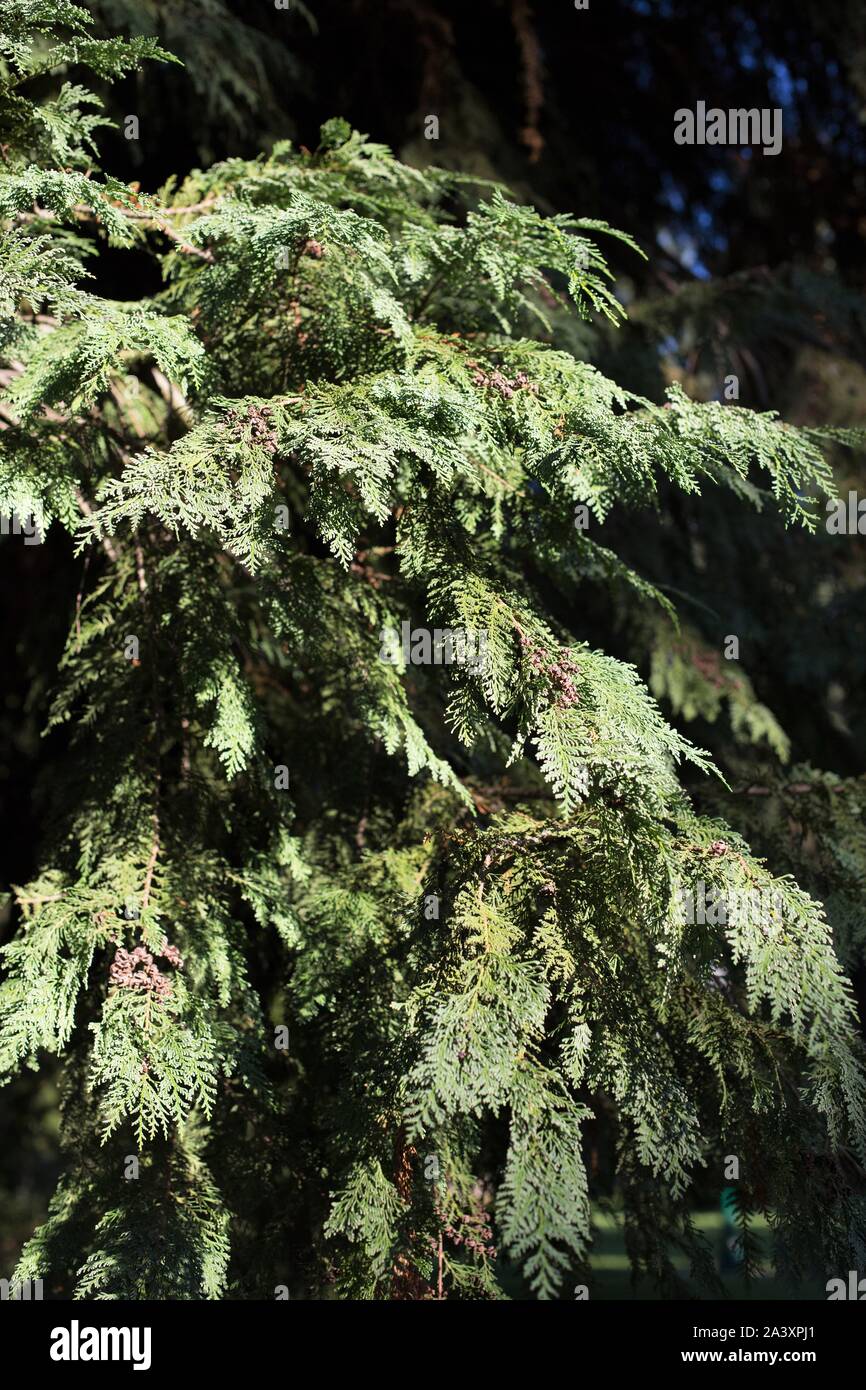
x,y
335,420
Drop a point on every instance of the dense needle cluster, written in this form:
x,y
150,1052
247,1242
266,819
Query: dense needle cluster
x,y
440,935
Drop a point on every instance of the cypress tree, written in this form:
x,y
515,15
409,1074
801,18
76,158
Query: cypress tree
x,y
376,930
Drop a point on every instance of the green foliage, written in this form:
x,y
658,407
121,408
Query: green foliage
x,y
334,423
696,684
39,38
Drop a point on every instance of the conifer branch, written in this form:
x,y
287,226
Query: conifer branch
x,y
372,771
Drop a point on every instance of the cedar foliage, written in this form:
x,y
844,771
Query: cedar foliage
x,y
457,886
